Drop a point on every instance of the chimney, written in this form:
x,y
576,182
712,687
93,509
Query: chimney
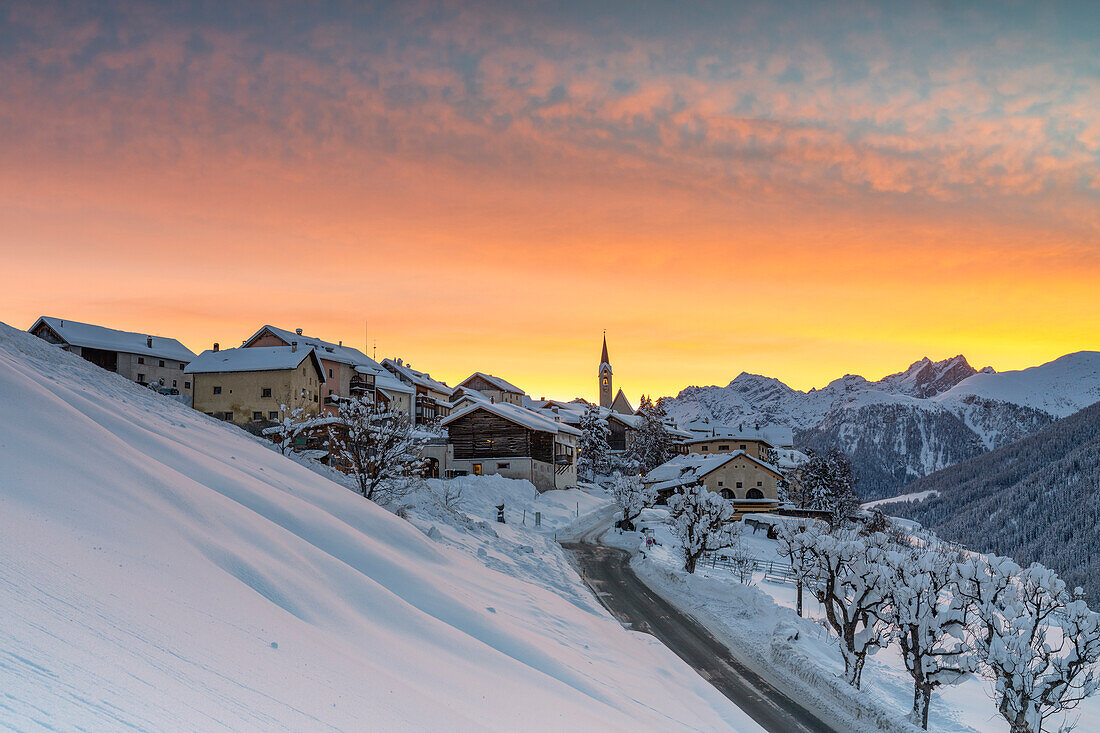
x,y
298,331
294,345
215,346
341,343
399,362
149,341
63,323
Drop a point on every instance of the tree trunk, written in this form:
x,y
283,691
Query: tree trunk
x,y
689,563
926,702
799,603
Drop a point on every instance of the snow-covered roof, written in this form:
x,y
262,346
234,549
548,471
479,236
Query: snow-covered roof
x,y
325,349
422,379
501,384
465,394
253,359
91,336
773,435
519,415
686,469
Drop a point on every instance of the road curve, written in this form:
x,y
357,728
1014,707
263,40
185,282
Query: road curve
x,y
607,571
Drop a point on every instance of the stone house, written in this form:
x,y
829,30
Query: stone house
x,y
139,357
752,484
254,385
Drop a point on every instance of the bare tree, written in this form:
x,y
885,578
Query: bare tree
x,y
377,448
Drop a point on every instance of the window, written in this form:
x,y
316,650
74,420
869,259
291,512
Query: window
x,y
141,379
173,383
719,483
704,448
330,373
229,417
739,484
141,360
162,362
503,466
477,469
605,381
257,415
741,447
265,392
755,494
187,385
723,447
273,415
759,483
217,390
726,494
182,366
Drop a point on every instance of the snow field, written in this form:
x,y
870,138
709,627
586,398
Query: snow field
x,y
160,570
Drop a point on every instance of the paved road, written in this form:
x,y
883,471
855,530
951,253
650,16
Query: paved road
x,y
608,572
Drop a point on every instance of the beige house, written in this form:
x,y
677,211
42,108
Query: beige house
x,y
501,438
142,358
258,384
753,446
495,388
749,482
348,371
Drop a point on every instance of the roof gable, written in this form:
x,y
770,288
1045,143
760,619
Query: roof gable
x,y
494,383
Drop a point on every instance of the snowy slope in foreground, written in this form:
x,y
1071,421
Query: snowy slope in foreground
x,y
1061,387
163,571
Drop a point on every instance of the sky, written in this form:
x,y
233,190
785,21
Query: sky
x,y
796,190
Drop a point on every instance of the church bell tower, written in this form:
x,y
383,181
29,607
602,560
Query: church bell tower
x,y
605,377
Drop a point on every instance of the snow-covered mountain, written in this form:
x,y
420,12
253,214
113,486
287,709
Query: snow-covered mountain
x,y
161,570
909,424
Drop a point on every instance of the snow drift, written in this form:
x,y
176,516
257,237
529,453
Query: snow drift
x,y
160,570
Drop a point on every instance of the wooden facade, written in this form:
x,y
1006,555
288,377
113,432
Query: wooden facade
x,y
481,434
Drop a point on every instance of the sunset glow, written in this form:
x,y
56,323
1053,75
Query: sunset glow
x,y
800,193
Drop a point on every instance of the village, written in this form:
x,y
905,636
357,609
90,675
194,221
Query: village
x,y
286,385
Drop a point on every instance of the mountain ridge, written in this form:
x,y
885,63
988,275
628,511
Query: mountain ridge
x,y
909,423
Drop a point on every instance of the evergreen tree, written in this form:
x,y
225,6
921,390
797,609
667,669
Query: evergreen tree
x,y
825,483
594,449
652,443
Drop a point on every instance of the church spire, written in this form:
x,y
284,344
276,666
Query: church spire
x,y
605,376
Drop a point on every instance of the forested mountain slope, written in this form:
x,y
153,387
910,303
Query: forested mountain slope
x,y
1036,500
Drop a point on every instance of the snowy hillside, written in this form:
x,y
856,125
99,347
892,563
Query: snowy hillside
x,y
909,424
160,570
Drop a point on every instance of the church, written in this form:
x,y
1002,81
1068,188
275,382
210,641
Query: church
x,y
619,404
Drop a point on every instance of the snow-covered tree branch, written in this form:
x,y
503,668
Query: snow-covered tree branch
x,y
632,496
378,448
703,522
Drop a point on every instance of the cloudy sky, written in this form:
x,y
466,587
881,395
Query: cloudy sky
x,y
799,190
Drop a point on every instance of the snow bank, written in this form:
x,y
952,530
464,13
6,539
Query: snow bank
x,y
160,570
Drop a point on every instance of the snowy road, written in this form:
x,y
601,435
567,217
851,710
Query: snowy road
x,y
607,570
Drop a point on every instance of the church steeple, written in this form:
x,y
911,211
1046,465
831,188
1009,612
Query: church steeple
x,y
605,376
